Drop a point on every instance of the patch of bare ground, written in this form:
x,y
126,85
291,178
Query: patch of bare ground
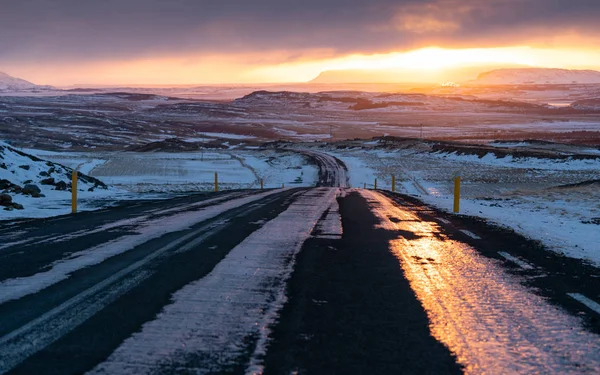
x,y
584,138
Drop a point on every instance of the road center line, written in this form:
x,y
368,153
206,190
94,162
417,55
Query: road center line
x,y
517,261
593,305
444,220
470,234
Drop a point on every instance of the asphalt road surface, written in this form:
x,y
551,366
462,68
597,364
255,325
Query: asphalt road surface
x,y
308,281
332,171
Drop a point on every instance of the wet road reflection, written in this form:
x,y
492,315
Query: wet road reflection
x,y
492,323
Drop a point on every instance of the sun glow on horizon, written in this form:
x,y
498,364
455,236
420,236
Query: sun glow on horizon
x,y
436,60
432,58
431,64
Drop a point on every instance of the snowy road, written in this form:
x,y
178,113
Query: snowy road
x,y
332,171
318,280
490,321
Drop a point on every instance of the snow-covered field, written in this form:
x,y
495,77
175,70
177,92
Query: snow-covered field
x,y
132,175
526,194
166,172
51,183
520,193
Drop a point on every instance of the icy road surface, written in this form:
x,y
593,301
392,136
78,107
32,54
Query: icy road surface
x,y
490,321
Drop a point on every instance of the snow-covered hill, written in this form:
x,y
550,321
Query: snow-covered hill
x,y
9,83
539,76
25,178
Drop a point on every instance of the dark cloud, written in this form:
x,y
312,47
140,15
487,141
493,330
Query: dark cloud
x,y
58,30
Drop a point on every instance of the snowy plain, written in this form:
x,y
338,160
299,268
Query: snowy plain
x,y
161,175
529,195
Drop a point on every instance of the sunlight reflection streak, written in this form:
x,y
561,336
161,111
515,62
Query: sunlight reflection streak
x,y
483,315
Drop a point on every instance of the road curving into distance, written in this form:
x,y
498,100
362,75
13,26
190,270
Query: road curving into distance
x,y
317,281
332,171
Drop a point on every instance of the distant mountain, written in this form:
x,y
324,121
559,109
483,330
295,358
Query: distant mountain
x,y
396,75
9,83
539,76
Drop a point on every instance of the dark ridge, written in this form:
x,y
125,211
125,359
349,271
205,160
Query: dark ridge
x,y
130,96
176,144
579,184
275,94
532,141
481,151
82,90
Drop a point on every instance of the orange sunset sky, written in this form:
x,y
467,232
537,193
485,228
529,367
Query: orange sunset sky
x,y
67,42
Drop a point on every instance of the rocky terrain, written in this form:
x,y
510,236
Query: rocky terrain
x,y
23,175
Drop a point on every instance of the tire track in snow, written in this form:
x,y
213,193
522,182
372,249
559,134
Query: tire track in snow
x,y
15,288
214,322
151,214
49,327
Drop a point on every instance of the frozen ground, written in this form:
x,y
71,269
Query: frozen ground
x,y
19,169
520,193
111,121
526,194
131,175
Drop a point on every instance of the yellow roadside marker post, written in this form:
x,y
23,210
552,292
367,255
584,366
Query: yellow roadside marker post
x,y
457,194
216,182
375,185
393,183
262,184
282,185
365,185
74,192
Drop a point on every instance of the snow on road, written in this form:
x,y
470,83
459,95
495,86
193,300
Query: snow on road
x,y
487,318
331,225
145,228
213,322
143,220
